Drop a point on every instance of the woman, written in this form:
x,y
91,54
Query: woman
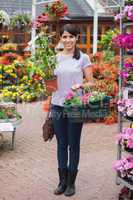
x,y
72,66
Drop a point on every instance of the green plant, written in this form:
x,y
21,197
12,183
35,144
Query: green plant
x,y
45,57
9,113
20,20
106,40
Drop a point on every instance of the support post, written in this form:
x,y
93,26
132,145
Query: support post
x,y
95,28
33,34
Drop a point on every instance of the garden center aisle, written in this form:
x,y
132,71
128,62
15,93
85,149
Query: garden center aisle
x,y
29,172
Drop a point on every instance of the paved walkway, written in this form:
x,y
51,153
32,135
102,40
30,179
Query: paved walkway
x,y
29,172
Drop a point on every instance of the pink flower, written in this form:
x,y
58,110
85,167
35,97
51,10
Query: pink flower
x,y
85,98
69,96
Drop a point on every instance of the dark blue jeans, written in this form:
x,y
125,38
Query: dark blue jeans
x,y
68,139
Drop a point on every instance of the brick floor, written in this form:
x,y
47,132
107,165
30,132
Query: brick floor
x,y
29,172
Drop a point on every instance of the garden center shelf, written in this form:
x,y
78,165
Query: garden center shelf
x,y
127,93
125,183
125,24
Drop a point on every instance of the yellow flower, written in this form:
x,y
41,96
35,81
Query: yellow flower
x,y
13,75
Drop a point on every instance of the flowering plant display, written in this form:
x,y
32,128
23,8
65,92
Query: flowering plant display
x,y
124,40
75,98
126,14
127,72
125,138
8,47
124,166
40,20
56,10
125,106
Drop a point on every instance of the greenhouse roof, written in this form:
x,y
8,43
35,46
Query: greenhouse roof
x,y
77,8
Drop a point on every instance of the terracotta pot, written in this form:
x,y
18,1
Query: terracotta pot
x,y
51,85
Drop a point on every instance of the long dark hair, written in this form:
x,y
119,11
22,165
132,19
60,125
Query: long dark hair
x,y
74,30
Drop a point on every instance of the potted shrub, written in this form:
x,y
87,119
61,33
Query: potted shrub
x,y
45,58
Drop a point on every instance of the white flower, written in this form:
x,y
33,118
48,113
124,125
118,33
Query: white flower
x,y
4,18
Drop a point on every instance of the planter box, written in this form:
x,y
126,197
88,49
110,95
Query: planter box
x,y
96,110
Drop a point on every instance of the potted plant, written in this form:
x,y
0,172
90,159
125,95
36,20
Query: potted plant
x,y
126,14
125,106
74,106
45,58
124,41
124,167
8,112
56,10
125,139
127,72
20,21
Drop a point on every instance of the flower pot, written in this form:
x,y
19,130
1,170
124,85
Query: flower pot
x,y
51,84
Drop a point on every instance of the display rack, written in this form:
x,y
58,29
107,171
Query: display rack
x,y
126,93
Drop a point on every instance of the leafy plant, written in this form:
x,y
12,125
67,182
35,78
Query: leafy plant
x,y
106,40
20,20
45,57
